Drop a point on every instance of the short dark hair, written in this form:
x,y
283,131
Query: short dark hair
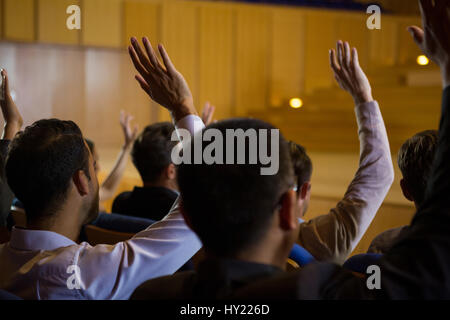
x,y
151,152
41,162
230,206
415,160
90,144
301,162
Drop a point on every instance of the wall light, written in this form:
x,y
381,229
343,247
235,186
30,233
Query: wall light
x,y
422,60
296,103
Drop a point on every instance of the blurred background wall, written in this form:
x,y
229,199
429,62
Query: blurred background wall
x,y
247,59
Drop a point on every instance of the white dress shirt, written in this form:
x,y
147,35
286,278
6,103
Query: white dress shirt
x,y
38,264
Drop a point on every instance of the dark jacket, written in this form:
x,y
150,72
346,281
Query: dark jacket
x,y
145,202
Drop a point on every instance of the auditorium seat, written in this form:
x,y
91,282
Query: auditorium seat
x,y
360,262
18,216
5,295
4,235
96,235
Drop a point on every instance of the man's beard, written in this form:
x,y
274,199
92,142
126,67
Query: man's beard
x,y
93,210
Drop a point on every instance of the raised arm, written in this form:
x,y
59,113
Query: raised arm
x,y
335,235
111,183
166,245
11,115
13,123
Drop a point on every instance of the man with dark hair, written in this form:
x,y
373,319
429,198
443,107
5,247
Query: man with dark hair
x,y
51,170
248,222
302,165
415,160
151,155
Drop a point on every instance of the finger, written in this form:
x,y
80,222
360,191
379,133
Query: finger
x,y
151,53
144,85
347,55
417,34
121,117
143,59
340,54
333,62
137,64
166,59
355,59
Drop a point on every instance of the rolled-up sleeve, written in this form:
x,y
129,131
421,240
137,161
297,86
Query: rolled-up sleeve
x,y
333,236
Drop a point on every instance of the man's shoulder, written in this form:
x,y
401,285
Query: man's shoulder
x,y
384,241
120,200
178,285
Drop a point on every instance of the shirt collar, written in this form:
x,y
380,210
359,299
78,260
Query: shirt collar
x,y
35,240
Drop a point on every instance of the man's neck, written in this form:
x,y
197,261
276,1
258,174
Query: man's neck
x,y
63,223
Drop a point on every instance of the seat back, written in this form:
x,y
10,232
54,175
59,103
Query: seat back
x,y
301,256
359,263
4,235
5,295
96,235
18,216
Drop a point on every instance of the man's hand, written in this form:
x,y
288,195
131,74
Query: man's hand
x,y
13,119
349,74
128,133
163,83
208,113
434,38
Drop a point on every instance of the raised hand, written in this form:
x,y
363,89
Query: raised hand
x,y
349,74
128,133
162,82
13,119
208,113
434,38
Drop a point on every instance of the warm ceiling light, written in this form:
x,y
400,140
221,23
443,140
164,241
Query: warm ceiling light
x,y
422,60
296,103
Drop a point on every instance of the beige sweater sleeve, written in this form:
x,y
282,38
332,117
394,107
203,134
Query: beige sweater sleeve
x,y
333,236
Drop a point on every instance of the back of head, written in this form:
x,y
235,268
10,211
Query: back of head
x,y
415,160
152,149
231,205
41,162
301,162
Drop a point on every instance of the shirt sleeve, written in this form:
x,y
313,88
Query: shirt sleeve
x,y
334,236
115,271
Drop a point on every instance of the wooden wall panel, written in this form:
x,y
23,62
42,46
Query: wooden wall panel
x,y
101,23
142,18
216,59
320,37
1,19
253,45
19,20
383,43
52,18
287,58
180,38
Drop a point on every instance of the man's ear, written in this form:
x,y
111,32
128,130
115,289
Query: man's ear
x,y
186,217
405,190
304,190
287,213
171,171
81,182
